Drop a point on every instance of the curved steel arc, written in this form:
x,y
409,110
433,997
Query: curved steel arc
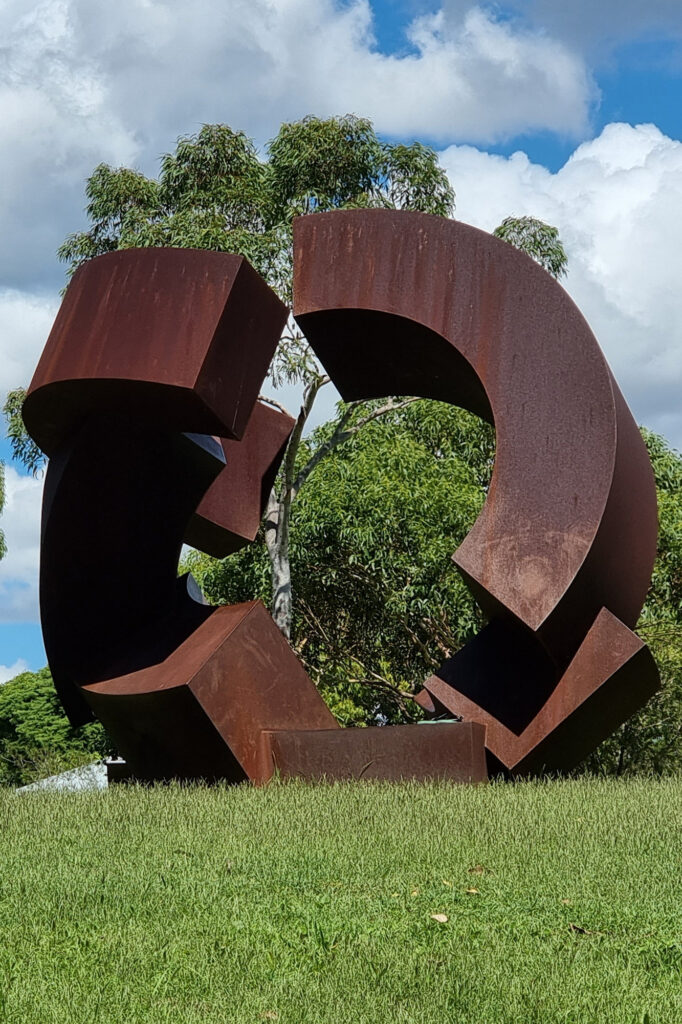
x,y
405,303
559,418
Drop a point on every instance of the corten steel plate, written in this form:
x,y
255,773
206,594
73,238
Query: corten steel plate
x,y
455,752
172,337
152,352
405,303
231,510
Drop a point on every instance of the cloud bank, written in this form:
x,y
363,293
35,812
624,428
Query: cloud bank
x,y
19,568
86,81
618,205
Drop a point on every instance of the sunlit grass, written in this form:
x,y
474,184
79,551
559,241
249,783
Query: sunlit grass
x,y
309,905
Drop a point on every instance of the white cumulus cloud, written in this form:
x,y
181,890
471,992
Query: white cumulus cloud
x,y
617,203
19,568
10,671
25,322
86,81
257,63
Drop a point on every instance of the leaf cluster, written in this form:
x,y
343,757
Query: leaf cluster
x,y
24,448
379,603
538,240
36,738
215,192
651,741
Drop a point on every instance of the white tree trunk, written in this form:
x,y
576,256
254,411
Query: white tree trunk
x,y
277,542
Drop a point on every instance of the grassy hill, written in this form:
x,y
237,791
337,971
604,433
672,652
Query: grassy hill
x,y
550,902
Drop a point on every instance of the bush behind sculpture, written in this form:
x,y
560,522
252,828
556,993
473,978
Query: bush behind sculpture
x,y
36,739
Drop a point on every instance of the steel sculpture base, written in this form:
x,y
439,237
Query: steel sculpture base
x,y
453,752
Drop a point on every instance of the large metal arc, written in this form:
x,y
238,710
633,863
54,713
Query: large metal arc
x,y
406,303
561,554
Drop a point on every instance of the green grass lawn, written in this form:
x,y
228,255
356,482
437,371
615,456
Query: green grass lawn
x,y
558,902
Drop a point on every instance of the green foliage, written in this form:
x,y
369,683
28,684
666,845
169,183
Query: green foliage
x,y
214,192
378,602
35,736
24,448
324,164
651,741
318,165
538,240
302,904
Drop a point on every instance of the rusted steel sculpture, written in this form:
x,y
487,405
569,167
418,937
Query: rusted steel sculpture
x,y
153,352
561,555
146,401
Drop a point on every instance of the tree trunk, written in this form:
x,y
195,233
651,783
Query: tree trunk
x,y
277,542
282,608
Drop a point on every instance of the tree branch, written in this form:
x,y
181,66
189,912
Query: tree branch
x,y
274,403
309,396
435,663
341,434
377,683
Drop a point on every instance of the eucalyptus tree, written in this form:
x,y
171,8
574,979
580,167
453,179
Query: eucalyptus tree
x,y
539,240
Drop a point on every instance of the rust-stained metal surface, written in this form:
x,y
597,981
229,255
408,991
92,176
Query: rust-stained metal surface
x,y
167,336
184,689
145,399
561,555
455,752
231,510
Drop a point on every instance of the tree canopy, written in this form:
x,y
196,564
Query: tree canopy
x,y
35,736
539,240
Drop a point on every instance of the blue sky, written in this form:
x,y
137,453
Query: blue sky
x,y
571,112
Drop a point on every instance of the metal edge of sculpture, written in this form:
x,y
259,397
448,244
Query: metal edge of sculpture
x,y
146,401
